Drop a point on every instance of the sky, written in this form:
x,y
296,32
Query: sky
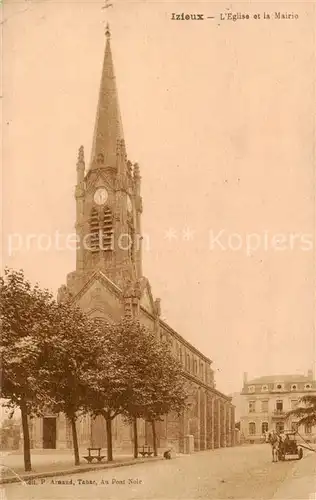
x,y
219,116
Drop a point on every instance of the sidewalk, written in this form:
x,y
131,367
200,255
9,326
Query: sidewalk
x,y
301,481
57,463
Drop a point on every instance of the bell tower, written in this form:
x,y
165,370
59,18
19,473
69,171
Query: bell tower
x,y
108,201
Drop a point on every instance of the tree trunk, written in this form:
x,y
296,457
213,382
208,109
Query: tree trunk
x,y
26,437
153,426
109,439
75,439
135,436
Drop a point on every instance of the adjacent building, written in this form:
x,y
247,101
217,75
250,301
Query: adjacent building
x,y
268,399
238,403
108,282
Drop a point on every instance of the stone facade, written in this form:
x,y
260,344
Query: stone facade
x,y
108,283
266,401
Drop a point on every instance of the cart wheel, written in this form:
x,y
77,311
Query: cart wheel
x,y
300,453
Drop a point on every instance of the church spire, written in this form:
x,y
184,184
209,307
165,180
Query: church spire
x,y
108,131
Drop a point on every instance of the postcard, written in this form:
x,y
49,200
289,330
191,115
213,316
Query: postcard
x,y
158,236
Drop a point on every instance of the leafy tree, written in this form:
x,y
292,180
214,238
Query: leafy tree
x,y
69,356
159,386
9,434
24,315
137,376
306,412
108,381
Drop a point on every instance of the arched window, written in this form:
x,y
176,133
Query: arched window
x,y
264,427
252,428
101,234
94,231
279,387
107,230
100,158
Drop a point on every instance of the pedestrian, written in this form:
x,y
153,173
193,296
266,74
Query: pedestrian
x,y
167,454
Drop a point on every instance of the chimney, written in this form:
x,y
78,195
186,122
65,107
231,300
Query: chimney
x,y
310,374
245,378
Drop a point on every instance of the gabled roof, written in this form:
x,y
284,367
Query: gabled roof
x,y
98,275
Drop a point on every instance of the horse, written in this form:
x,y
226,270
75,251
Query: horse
x,y
275,445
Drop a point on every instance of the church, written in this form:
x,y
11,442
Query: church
x,y
108,283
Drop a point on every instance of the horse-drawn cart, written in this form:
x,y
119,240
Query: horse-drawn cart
x,y
289,447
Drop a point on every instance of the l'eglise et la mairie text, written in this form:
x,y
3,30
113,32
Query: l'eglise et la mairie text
x,y
239,16
233,16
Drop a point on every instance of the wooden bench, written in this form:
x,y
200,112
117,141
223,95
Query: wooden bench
x,y
146,451
97,458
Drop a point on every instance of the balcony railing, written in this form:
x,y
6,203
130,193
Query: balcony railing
x,y
279,413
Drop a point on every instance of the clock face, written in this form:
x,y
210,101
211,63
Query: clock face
x,y
100,196
129,204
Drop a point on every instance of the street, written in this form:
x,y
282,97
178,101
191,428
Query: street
x,y
244,472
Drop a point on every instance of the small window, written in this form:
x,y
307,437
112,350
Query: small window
x,y
251,388
252,428
279,386
252,406
264,388
294,403
100,158
293,387
264,427
264,406
279,426
308,386
279,405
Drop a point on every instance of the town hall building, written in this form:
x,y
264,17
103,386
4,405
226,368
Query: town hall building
x,y
108,283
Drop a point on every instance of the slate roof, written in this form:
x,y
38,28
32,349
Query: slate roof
x,y
269,379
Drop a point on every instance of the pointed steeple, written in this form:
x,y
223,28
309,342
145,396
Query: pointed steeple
x,y
108,131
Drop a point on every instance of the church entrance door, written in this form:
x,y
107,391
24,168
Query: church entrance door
x,y
49,432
